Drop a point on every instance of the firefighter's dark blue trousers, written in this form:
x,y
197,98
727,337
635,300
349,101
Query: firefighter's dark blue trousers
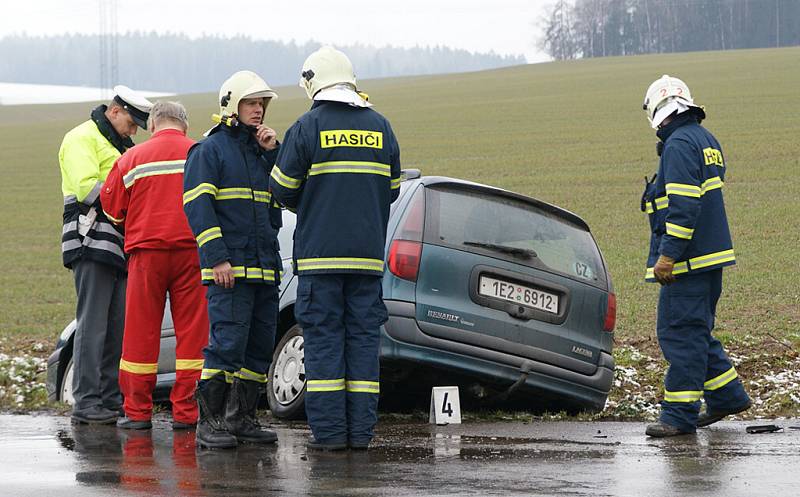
x,y
698,366
243,321
341,315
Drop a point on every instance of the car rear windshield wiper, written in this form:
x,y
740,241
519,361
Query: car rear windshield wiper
x,y
526,253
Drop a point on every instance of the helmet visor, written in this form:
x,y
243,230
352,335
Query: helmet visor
x,y
261,94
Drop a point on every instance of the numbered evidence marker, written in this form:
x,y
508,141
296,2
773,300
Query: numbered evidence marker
x,y
445,406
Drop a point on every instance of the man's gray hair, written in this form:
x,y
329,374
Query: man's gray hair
x,y
172,111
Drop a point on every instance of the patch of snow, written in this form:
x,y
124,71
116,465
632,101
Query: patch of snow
x,y
22,93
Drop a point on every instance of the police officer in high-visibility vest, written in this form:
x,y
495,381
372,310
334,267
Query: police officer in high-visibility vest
x,y
690,243
235,222
93,249
339,167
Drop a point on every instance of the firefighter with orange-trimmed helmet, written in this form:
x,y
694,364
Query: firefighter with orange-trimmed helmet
x,y
690,243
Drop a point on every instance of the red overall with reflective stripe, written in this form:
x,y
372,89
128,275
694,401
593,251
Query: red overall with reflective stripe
x,y
144,192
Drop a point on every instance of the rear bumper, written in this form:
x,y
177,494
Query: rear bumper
x,y
402,340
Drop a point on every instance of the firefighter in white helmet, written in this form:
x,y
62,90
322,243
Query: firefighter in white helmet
x,y
339,167
690,244
231,212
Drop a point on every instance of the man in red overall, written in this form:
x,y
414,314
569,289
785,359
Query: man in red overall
x,y
144,193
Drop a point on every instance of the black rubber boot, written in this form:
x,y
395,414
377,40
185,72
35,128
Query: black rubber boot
x,y
212,433
662,430
314,444
707,418
240,415
358,444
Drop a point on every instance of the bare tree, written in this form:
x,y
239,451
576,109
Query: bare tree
x,y
559,36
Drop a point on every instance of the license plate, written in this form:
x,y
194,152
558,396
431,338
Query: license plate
x,y
519,294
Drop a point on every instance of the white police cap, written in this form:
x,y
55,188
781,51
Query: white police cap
x,y
136,105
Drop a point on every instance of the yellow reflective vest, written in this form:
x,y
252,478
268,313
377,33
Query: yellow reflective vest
x,y
86,157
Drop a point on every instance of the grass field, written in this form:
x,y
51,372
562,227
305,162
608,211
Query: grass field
x,y
570,133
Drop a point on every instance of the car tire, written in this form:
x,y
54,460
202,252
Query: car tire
x,y
65,387
286,389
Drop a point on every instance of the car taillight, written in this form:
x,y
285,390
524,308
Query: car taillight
x,y
405,250
404,258
611,313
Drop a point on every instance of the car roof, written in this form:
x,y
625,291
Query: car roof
x,y
550,208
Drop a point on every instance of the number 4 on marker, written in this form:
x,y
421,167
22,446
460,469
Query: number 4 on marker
x,y
446,407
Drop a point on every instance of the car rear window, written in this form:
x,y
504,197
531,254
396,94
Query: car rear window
x,y
487,223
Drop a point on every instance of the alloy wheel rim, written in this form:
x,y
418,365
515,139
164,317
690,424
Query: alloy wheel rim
x,y
289,376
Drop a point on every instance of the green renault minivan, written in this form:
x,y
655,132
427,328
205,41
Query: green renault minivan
x,y
501,294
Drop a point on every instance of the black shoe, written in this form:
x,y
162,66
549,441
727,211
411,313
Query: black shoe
x,y
212,433
313,444
708,418
358,444
94,416
117,409
127,423
177,425
661,430
240,414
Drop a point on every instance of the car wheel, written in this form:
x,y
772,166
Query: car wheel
x,y
286,390
65,389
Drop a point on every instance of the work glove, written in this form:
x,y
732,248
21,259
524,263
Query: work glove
x,y
663,270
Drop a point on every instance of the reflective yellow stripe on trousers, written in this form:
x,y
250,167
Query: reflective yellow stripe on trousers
x,y
683,396
138,367
188,364
249,375
207,374
721,380
325,385
363,386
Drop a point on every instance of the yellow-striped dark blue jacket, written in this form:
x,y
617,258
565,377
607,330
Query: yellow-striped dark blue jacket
x,y
685,204
230,210
339,168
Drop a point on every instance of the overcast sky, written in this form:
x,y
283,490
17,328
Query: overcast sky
x,y
505,26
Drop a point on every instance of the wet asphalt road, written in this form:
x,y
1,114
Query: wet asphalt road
x,y
45,455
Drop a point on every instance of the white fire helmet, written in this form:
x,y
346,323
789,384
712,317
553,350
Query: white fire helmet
x,y
325,68
666,96
241,85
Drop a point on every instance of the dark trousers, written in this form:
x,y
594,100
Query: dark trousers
x,y
698,365
100,317
341,315
243,322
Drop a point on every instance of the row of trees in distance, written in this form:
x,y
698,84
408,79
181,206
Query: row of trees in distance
x,y
599,28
